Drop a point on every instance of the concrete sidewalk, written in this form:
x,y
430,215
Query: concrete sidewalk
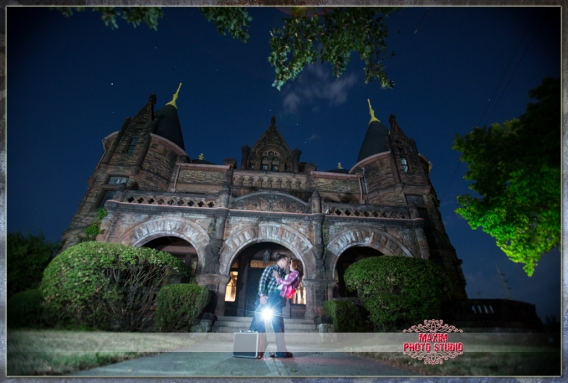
x,y
221,364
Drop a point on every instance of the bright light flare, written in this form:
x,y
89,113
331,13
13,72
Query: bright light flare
x,y
267,313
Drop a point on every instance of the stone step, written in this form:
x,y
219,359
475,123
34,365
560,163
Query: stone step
x,y
236,324
287,326
249,319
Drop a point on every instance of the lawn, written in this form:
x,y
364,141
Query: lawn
x,y
57,352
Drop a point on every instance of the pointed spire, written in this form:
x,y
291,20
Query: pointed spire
x,y
168,122
339,165
201,157
374,141
372,113
175,97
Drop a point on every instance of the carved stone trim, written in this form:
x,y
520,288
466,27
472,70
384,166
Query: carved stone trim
x,y
284,235
271,201
364,236
170,226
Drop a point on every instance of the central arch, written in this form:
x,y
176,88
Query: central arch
x,y
283,235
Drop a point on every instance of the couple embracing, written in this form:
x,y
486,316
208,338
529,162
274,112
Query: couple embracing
x,y
274,288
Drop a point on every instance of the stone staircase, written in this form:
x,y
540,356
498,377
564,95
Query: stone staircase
x,y
227,324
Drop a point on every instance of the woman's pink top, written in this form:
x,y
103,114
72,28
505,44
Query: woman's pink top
x,y
289,284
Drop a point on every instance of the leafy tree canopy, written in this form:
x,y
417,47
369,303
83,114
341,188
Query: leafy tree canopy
x,y
515,169
327,34
27,256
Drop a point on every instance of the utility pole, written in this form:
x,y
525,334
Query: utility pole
x,y
504,285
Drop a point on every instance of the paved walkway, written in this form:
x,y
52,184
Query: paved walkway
x,y
221,364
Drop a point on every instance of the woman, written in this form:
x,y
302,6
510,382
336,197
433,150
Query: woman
x,y
289,284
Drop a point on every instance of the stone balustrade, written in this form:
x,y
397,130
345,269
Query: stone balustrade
x,y
365,211
270,181
171,199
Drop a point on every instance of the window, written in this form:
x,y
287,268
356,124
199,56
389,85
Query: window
x,y
275,167
117,180
404,164
231,289
132,145
108,194
264,167
415,199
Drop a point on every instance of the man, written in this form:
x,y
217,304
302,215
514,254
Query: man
x,y
269,297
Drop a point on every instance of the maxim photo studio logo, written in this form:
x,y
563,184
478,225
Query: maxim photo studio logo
x,y
433,345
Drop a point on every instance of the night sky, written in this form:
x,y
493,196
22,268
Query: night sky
x,y
73,81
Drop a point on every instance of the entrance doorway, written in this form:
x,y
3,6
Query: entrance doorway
x,y
246,271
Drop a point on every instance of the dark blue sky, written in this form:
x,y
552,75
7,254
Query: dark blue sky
x,y
73,81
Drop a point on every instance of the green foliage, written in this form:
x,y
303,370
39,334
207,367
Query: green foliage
x,y
96,284
26,309
332,37
94,228
229,19
179,306
27,256
515,169
398,291
327,34
132,15
347,316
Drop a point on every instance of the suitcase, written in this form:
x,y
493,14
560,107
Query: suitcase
x,y
246,345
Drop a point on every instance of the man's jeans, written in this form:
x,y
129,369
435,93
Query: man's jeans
x,y
276,303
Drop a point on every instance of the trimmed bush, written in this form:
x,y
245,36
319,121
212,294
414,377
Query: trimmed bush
x,y
25,309
347,316
398,291
99,284
178,307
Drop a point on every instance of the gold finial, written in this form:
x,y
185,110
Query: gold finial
x,y
200,157
372,113
339,165
175,97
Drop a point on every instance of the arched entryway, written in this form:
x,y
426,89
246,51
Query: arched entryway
x,y
346,259
182,250
246,270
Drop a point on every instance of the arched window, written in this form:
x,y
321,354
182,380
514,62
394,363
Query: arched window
x,y
404,164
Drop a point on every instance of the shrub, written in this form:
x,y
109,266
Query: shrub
x,y
347,316
398,291
96,284
178,307
26,309
27,257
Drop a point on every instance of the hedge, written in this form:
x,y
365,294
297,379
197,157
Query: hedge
x,y
178,307
99,284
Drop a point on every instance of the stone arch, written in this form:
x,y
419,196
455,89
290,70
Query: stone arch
x,y
366,237
174,227
283,235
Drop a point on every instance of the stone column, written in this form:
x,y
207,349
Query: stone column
x,y
422,243
216,284
317,291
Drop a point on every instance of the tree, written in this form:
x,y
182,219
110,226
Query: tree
x,y
515,169
28,255
327,34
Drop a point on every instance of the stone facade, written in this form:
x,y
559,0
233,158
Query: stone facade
x,y
226,219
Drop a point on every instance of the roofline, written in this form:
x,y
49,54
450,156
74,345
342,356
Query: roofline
x,y
369,159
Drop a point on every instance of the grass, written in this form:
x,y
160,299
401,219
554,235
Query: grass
x,y
479,364
57,352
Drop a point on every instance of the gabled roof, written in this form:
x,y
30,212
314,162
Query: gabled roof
x,y
271,137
